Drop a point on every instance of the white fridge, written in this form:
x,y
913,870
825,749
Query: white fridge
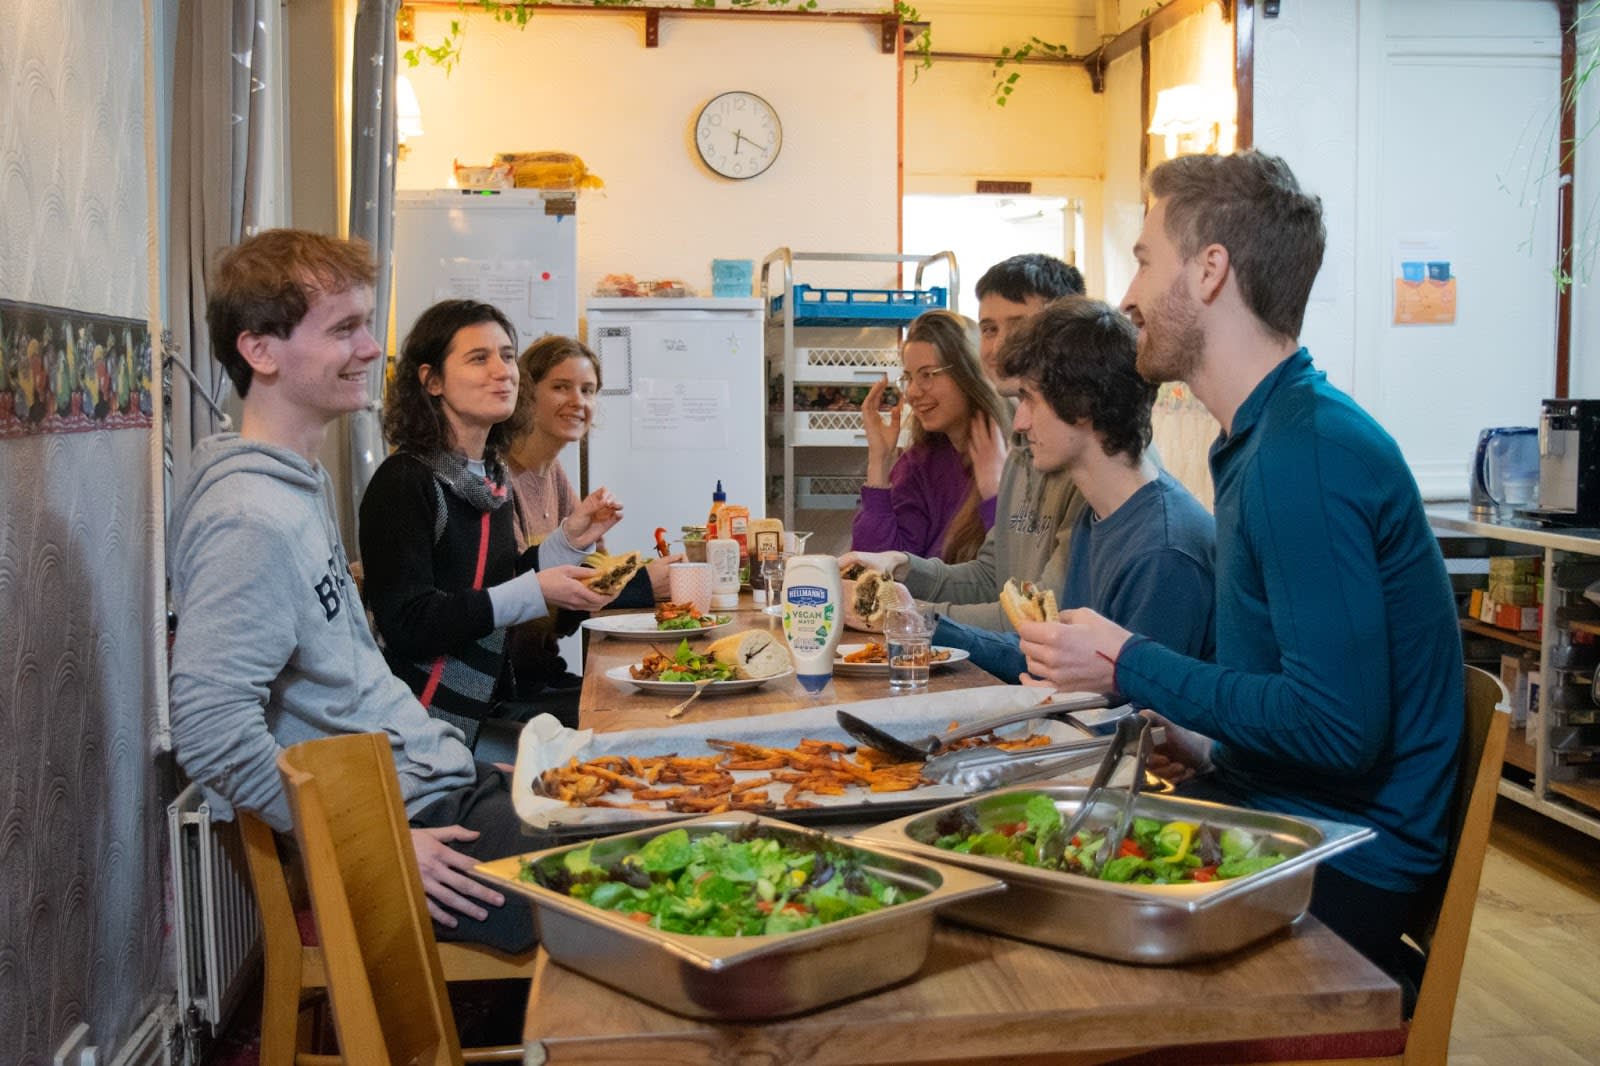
x,y
682,406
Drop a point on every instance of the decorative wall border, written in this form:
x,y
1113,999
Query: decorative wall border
x,y
65,371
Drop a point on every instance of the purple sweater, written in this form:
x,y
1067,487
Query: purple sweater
x,y
926,489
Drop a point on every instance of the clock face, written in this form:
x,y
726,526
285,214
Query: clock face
x,y
738,135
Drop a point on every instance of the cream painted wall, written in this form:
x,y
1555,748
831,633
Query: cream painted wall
x,y
1123,194
1052,133
587,84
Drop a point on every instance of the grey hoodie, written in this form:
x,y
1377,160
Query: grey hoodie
x,y
272,645
1031,541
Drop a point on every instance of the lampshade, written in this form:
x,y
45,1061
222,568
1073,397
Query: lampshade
x,y
408,112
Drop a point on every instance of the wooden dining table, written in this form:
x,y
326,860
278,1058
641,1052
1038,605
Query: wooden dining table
x,y
979,997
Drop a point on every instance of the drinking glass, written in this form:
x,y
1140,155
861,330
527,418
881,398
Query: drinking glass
x,y
772,567
908,634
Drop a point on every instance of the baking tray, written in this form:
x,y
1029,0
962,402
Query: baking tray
x,y
1157,924
546,743
752,977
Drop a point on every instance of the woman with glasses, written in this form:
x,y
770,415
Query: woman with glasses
x,y
937,498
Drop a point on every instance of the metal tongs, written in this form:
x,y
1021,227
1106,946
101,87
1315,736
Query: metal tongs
x,y
980,769
1133,732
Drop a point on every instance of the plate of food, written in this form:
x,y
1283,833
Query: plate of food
x,y
743,661
872,659
670,619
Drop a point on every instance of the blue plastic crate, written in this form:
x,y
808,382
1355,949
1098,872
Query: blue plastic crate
x,y
861,307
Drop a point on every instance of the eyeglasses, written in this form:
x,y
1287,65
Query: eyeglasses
x,y
922,378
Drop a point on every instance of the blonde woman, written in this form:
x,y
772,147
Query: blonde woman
x,y
937,498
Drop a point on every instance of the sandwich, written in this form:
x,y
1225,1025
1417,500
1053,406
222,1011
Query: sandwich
x,y
755,653
873,596
611,572
1027,602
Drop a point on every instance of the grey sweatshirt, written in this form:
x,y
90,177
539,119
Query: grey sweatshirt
x,y
272,645
1030,540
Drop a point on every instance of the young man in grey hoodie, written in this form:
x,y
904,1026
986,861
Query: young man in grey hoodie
x,y
272,645
1035,512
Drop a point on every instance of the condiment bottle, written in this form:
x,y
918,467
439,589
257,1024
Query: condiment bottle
x,y
723,555
719,499
812,617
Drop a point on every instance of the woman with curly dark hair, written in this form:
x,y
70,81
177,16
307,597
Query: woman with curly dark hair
x,y
445,576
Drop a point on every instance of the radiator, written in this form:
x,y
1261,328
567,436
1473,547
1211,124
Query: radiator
x,y
217,926
153,1042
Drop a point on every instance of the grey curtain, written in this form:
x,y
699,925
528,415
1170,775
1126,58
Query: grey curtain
x,y
217,182
372,154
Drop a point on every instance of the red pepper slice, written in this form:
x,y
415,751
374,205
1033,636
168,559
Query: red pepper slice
x,y
661,542
1128,847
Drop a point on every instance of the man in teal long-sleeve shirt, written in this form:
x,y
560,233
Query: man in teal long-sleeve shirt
x,y
1337,689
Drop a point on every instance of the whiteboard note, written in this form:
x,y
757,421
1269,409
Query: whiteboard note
x,y
461,279
680,413
545,300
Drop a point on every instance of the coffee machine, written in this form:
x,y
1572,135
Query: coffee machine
x,y
1569,463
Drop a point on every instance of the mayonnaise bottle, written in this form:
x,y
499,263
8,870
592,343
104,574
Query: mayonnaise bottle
x,y
812,617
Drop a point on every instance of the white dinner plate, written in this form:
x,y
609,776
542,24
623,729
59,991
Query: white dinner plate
x,y
882,669
619,675
642,626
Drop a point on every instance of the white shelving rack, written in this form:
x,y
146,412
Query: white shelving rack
x,y
1560,751
852,339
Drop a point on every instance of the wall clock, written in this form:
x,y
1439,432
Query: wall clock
x,y
738,135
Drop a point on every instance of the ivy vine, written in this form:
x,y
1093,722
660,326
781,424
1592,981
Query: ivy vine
x,y
447,52
1006,84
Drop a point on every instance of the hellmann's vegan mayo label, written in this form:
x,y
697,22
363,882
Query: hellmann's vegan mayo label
x,y
811,617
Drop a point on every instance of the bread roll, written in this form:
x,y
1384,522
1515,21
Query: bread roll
x,y
1027,602
755,653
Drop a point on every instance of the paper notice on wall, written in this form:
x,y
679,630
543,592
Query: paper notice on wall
x,y
512,285
506,285
461,279
545,300
678,413
1424,280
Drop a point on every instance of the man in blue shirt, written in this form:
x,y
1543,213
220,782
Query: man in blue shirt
x,y
1337,686
1142,548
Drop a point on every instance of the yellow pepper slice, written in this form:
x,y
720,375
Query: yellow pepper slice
x,y
1174,840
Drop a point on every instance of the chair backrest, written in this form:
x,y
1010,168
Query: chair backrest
x,y
384,976
1443,932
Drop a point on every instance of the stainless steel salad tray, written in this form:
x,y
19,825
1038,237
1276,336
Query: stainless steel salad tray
x,y
1157,924
752,977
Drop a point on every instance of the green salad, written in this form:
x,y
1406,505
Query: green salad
x,y
744,884
1153,853
691,621
685,664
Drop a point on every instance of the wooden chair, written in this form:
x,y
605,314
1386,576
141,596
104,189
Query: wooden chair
x,y
1439,928
383,968
292,958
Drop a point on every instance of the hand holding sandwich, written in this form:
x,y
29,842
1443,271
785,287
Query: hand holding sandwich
x,y
573,587
1076,653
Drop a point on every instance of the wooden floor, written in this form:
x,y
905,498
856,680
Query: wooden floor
x,y
1530,987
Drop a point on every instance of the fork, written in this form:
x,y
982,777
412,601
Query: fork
x,y
699,687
